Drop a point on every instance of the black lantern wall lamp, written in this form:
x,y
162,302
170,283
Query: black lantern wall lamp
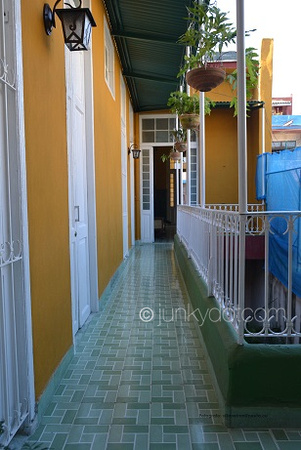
x,y
135,150
77,23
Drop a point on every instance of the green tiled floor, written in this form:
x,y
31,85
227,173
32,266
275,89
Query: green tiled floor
x,y
136,383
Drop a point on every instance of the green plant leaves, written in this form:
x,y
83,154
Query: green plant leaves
x,y
208,32
182,103
252,65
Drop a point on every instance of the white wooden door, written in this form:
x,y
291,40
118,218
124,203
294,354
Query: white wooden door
x,y
147,193
124,157
16,365
78,198
132,175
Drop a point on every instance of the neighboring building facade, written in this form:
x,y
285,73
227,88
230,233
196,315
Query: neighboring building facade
x,y
282,105
286,132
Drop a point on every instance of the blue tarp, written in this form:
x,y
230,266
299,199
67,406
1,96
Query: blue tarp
x,y
278,182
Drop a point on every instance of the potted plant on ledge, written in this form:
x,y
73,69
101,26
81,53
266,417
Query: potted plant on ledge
x,y
209,31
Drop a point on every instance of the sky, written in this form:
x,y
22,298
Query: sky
x,y
280,20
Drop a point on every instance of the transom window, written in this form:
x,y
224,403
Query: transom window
x,y
156,130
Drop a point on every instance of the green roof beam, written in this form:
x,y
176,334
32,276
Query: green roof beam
x,y
164,39
151,77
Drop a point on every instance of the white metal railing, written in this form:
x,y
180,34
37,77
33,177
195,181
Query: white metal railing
x,y
257,304
255,207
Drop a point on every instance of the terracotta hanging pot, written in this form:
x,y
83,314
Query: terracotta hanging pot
x,y
190,121
204,79
175,155
180,146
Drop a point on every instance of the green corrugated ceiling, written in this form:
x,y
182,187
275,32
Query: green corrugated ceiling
x,y
146,34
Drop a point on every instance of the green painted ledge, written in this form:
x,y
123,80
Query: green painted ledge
x,y
258,385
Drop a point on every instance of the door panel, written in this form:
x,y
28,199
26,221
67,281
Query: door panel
x,y
147,201
83,278
78,200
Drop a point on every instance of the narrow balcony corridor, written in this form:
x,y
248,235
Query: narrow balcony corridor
x,y
139,379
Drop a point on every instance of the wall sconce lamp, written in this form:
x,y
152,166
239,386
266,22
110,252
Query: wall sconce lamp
x,y
76,22
135,150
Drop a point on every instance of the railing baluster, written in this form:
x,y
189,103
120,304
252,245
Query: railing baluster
x,y
290,275
241,277
266,273
235,299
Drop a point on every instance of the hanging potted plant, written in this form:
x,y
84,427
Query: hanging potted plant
x,y
209,31
175,155
187,107
180,139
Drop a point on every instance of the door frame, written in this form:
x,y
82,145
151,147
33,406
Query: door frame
x,y
147,218
124,169
91,187
91,193
147,232
24,213
148,236
132,175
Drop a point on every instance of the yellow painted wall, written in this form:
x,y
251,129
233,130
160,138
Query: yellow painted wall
x,y
222,156
265,89
221,136
107,159
223,92
47,180
47,173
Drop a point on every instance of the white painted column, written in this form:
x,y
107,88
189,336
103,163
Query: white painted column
x,y
242,159
241,116
188,162
179,169
202,159
263,129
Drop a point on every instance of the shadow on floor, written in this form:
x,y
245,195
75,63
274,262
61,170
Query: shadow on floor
x,y
165,235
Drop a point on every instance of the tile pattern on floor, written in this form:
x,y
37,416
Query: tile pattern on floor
x,y
139,379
